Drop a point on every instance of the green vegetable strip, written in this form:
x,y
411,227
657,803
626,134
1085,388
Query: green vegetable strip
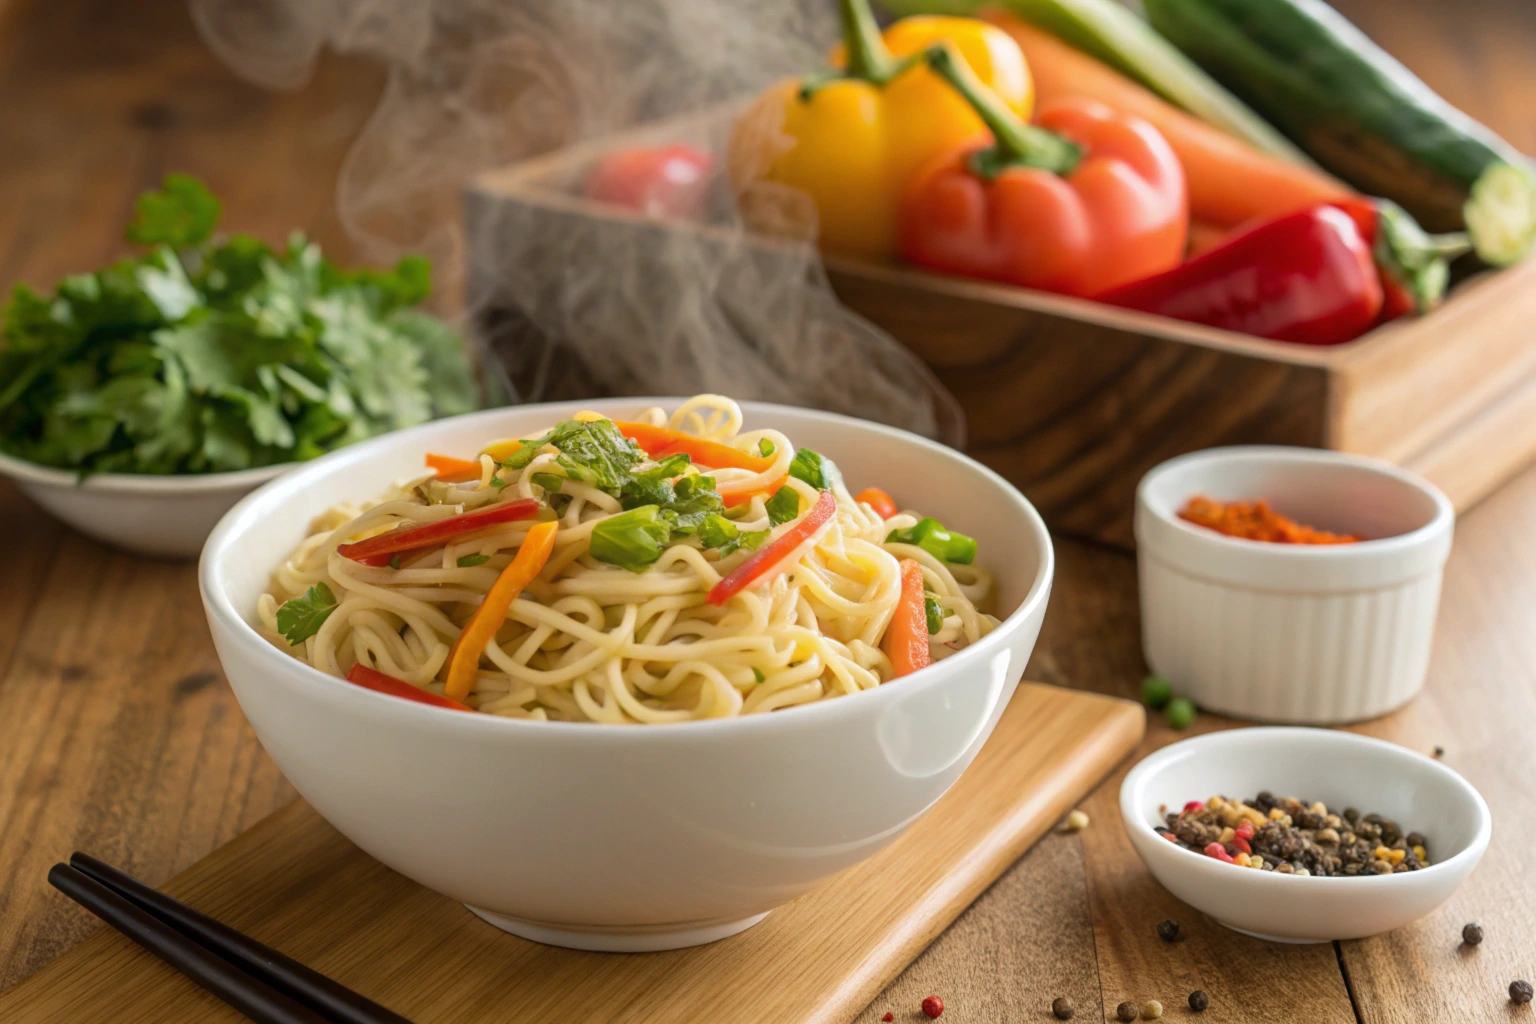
x,y
943,544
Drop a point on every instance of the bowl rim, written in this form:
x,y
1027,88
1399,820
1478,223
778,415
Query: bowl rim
x,y
1366,746
1444,517
220,607
168,484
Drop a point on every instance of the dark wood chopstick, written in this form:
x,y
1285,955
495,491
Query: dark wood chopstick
x,y
256,999
303,984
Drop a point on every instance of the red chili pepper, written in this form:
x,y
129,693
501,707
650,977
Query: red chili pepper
x,y
378,550
767,559
372,679
1307,277
1241,844
889,1016
1081,201
1219,852
659,181
1244,829
933,1006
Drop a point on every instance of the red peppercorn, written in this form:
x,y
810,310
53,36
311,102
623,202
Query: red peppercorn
x,y
1242,844
933,1006
1192,806
889,1016
1219,852
1244,829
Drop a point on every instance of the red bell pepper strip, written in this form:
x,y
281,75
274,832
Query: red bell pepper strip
x,y
372,679
1306,277
1082,201
452,470
768,559
659,181
422,535
659,442
906,636
878,500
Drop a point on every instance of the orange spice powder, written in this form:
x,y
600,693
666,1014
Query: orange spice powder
x,y
1255,520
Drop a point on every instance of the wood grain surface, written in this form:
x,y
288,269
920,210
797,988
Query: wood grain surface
x,y
294,883
101,749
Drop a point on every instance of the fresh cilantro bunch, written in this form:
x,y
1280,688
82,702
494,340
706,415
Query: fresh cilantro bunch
x,y
206,355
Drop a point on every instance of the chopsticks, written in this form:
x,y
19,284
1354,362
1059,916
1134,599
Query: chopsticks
x,y
260,982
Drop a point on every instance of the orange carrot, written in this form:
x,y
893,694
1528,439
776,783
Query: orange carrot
x,y
659,442
453,470
878,500
1203,236
1229,181
464,658
906,638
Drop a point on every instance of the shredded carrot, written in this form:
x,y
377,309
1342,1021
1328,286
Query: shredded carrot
x,y
906,637
659,442
453,470
734,498
878,500
1255,520
464,658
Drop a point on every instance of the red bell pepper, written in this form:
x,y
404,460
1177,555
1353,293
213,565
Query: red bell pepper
x,y
1412,263
1082,201
767,560
1308,277
659,181
378,550
373,679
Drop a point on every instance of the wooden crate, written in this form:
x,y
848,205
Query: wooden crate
x,y
1073,401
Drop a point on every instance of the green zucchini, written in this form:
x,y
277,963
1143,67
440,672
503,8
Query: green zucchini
x,y
1361,114
1111,32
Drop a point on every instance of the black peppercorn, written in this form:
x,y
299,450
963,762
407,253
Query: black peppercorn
x,y
1198,1000
1519,992
1062,1009
1439,752
1168,930
1472,934
1129,1011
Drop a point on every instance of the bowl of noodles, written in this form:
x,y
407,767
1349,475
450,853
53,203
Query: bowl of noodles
x,y
627,675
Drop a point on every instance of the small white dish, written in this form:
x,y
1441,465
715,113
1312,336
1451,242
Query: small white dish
x,y
1342,770
1313,634
162,516
627,838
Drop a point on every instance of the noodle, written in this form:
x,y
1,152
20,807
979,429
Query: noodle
x,y
592,641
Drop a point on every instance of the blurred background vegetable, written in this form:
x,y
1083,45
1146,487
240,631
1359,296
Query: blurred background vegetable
x,y
659,181
205,355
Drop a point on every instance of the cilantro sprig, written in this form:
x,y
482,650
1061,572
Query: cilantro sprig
x,y
301,618
207,354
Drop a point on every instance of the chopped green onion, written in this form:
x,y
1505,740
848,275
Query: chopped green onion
x,y
758,675
765,448
470,561
394,561
943,544
934,611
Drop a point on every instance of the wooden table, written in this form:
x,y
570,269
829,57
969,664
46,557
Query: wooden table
x,y
118,736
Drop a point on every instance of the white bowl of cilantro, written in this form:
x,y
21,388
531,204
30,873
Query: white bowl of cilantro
x,y
138,403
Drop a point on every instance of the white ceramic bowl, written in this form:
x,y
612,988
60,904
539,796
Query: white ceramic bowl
x,y
1342,770
615,838
1316,634
163,516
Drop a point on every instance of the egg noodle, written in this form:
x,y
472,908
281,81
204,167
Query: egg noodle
x,y
588,640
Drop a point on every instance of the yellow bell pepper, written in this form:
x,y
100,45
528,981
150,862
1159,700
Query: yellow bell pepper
x,y
857,136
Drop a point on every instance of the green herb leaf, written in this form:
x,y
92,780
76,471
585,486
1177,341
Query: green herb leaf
x,y
394,561
497,483
934,611
783,506
758,674
182,214
943,544
631,540
716,531
653,486
551,482
815,469
470,561
302,617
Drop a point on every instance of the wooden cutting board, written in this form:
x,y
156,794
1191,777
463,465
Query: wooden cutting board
x,y
294,883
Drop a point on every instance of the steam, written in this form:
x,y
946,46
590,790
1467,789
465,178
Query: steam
x,y
571,305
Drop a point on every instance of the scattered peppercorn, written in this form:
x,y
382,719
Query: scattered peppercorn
x,y
933,1006
889,1016
1168,931
1076,822
1439,752
1472,934
1292,837
1181,713
1198,1000
1519,991
1062,1008
1127,1011
1156,692
1151,1010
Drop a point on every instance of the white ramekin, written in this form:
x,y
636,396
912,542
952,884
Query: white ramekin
x,y
1285,632
627,838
